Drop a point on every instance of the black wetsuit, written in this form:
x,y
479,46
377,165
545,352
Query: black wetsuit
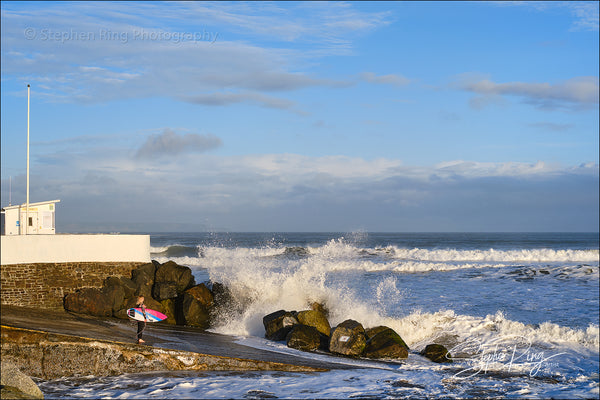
x,y
141,324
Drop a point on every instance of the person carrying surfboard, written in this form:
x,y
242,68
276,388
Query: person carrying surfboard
x,y
141,324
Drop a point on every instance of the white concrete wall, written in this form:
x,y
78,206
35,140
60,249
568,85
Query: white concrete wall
x,y
74,248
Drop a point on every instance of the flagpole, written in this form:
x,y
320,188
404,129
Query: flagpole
x,y
27,203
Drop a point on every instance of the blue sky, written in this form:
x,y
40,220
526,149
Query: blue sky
x,y
316,116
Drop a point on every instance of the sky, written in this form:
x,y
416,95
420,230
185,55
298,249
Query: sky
x,y
303,116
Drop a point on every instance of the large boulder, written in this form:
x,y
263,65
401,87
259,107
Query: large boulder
x,y
437,353
315,319
321,308
223,297
168,307
348,338
127,284
303,337
202,294
115,293
143,277
17,385
278,324
195,306
89,301
164,290
179,275
384,342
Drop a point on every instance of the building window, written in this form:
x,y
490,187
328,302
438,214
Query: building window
x,y
30,221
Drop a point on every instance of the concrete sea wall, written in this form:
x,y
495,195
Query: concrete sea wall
x,y
39,270
28,249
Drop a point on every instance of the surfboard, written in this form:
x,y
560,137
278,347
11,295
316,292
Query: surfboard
x,y
152,315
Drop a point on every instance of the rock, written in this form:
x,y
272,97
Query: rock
x,y
164,290
225,305
315,319
17,385
192,312
168,306
195,306
115,294
348,339
89,301
202,294
321,308
179,275
143,277
384,342
303,337
437,353
370,332
128,286
222,295
278,324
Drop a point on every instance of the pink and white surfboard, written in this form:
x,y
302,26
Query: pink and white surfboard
x,y
151,315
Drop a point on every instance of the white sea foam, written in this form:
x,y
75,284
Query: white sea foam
x,y
266,283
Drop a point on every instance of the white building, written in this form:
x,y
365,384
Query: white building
x,y
38,220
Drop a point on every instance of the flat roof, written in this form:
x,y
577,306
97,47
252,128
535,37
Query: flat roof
x,y
31,204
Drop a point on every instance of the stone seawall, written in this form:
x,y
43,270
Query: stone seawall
x,y
44,285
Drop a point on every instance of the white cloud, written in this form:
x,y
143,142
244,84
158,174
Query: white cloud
x,y
574,93
585,13
95,53
220,99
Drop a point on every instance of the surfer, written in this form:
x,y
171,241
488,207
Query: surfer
x,y
141,324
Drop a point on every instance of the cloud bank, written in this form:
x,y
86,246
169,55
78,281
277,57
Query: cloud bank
x,y
170,143
289,192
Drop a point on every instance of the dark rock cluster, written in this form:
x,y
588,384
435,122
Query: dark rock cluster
x,y
169,288
310,330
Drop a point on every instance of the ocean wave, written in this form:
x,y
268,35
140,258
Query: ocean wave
x,y
525,255
339,249
265,286
175,250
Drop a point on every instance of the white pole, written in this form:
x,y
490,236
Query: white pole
x,y
10,191
27,203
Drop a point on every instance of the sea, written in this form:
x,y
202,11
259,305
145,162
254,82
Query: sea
x,y
519,313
